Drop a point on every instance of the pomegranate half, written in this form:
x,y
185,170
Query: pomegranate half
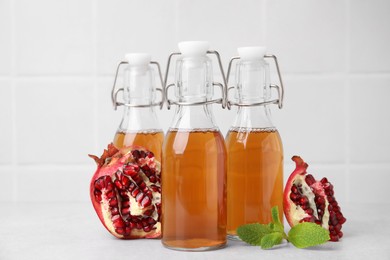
x,y
309,200
125,192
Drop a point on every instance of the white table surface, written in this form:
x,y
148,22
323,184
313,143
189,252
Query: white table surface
x,y
73,231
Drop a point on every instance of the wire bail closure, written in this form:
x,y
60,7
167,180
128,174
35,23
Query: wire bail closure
x,y
114,91
222,86
280,88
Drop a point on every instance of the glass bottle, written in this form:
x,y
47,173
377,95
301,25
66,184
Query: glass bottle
x,y
194,159
139,125
255,152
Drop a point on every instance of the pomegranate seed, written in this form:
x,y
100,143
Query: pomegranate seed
x,y
294,189
142,154
156,188
113,202
324,180
148,212
114,211
334,238
98,196
120,231
139,197
153,179
337,228
139,225
126,204
146,201
341,234
107,180
125,211
303,201
135,192
118,184
131,169
151,221
119,223
320,200
309,211
310,179
99,183
111,194
150,154
294,197
342,221
305,206
147,229
133,225
125,181
135,154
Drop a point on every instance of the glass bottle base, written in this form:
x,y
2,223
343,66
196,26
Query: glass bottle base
x,y
233,237
195,248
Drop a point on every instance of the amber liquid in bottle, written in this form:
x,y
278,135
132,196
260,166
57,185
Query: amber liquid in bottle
x,y
255,176
193,190
151,140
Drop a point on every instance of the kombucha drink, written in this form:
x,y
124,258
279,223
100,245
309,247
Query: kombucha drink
x,y
151,140
194,190
255,176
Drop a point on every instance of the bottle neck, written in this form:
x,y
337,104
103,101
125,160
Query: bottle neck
x,y
194,118
254,117
139,119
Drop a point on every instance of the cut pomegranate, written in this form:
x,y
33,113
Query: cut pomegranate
x,y
125,192
309,200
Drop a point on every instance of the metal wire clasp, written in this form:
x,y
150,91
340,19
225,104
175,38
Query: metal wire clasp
x,y
114,91
280,88
222,86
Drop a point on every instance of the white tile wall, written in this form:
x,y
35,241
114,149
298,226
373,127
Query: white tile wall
x,y
309,36
54,37
370,119
55,120
369,30
57,60
5,37
6,122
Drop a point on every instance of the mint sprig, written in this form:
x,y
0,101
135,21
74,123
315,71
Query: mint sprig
x,y
301,235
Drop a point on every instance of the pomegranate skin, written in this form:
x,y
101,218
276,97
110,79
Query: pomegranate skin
x,y
125,192
308,200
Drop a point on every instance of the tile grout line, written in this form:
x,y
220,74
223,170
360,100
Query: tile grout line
x,y
347,99
12,11
264,21
95,74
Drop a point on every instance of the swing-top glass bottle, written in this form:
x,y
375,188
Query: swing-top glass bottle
x,y
194,158
139,125
255,152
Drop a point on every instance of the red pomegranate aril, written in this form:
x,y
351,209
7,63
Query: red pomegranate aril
x,y
146,201
139,197
309,180
298,208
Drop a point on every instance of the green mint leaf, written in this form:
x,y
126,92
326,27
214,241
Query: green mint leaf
x,y
271,240
308,234
253,233
276,225
275,214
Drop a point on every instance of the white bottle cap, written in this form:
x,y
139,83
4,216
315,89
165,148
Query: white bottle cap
x,y
138,59
193,48
251,53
